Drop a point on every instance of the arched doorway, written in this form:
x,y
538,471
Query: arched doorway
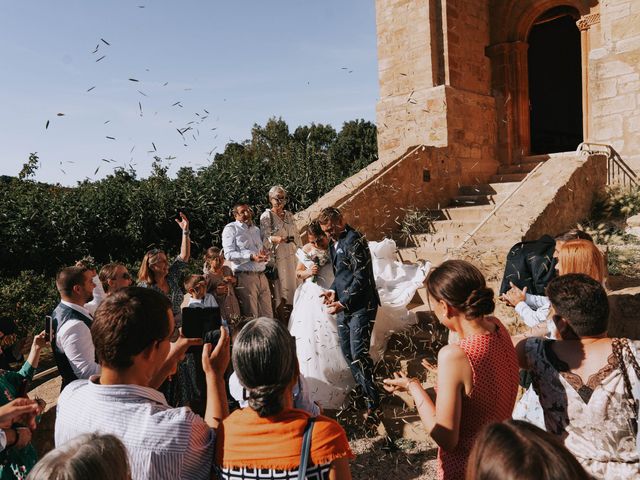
x,y
555,82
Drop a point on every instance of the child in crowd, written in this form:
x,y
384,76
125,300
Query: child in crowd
x,y
196,287
478,376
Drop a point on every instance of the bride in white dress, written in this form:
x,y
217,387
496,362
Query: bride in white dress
x,y
321,361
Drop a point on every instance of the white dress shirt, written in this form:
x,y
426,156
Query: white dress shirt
x,y
74,339
162,442
208,301
98,296
239,242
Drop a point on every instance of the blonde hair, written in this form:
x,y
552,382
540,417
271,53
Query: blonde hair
x,y
94,456
582,256
145,274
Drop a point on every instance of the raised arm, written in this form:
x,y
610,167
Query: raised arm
x,y
185,246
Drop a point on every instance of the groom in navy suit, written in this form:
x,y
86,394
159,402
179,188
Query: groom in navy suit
x,y
354,298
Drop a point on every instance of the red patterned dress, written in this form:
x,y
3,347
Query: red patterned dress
x,y
494,365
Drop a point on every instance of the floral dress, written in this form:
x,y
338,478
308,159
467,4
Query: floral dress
x,y
229,307
14,462
591,418
183,388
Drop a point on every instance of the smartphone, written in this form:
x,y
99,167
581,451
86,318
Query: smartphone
x,y
48,328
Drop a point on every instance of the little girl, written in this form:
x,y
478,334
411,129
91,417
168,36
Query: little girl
x,y
478,378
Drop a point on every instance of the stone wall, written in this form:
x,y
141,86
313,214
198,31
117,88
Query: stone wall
x,y
435,82
614,78
556,196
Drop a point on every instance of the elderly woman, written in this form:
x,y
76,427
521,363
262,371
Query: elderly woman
x,y
156,273
280,233
268,434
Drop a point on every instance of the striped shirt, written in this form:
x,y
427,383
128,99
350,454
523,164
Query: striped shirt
x,y
163,442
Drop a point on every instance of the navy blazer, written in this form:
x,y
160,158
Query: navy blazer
x,y
354,283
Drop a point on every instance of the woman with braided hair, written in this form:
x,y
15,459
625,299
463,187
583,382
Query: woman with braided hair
x,y
264,440
478,376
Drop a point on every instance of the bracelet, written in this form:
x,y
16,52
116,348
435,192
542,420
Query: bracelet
x,y
186,232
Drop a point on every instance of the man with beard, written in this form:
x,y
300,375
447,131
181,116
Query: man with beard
x,y
72,346
243,247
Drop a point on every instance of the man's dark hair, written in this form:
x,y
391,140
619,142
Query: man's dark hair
x,y
573,234
237,205
128,322
329,214
68,278
581,301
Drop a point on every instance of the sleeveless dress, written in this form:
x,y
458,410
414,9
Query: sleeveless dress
x,y
494,364
592,418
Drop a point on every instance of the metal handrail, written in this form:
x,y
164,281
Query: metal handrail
x,y
497,207
618,172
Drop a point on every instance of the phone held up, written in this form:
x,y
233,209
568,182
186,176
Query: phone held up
x,y
48,328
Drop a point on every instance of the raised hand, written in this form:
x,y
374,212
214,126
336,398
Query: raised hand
x,y
183,222
216,360
514,295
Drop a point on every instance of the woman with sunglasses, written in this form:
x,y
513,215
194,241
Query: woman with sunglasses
x,y
113,277
279,231
156,273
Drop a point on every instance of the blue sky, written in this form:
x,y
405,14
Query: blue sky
x,y
243,61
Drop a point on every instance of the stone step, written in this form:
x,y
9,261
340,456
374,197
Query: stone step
x,y
473,213
508,177
518,168
488,188
454,226
439,241
415,254
473,200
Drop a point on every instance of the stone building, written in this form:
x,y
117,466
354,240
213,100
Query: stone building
x,y
488,82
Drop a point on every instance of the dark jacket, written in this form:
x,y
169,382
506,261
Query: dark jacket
x,y
354,284
531,265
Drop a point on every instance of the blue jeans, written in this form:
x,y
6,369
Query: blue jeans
x,y
354,333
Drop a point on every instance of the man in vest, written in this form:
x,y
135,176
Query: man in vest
x,y
72,346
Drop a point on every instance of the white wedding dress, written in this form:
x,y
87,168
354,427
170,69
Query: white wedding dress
x,y
316,331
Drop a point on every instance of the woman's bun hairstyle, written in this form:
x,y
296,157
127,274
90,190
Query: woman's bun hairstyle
x,y
461,285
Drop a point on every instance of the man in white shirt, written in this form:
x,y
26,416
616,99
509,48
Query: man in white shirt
x,y
132,332
72,345
244,248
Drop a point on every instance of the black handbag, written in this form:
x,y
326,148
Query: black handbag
x,y
306,449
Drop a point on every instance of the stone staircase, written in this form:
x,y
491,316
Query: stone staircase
x,y
451,226
454,223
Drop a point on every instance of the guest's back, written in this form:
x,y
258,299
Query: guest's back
x,y
580,379
495,387
265,439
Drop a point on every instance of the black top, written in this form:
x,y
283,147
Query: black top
x,y
531,265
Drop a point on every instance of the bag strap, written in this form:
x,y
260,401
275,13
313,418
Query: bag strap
x,y
306,448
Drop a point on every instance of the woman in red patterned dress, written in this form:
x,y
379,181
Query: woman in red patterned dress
x,y
478,376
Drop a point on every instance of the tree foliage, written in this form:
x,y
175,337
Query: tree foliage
x,y
44,227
